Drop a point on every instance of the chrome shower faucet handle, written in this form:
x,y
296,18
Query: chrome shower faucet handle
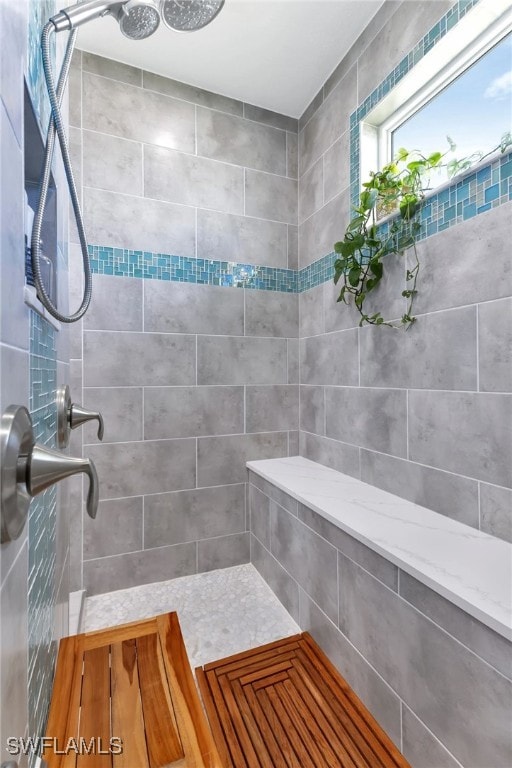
x,y
70,416
27,469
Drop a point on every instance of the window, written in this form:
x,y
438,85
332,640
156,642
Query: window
x,y
469,98
475,110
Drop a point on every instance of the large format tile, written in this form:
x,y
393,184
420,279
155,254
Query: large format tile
x,y
496,511
123,110
378,566
222,460
189,180
223,552
116,304
455,272
14,377
115,70
192,411
420,746
268,117
293,361
332,453
117,528
337,167
115,219
233,360
234,140
189,308
444,492
293,246
438,352
121,409
332,358
270,197
224,236
280,582
311,312
318,234
136,568
292,155
495,346
172,518
259,515
465,433
114,359
112,163
311,191
312,409
13,22
433,673
329,122
394,40
380,699
271,313
190,93
272,408
75,97
274,493
135,469
15,323
317,573
487,644
370,418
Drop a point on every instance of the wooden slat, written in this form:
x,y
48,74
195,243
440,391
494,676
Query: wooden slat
x,y
300,729
290,708
380,741
267,651
111,635
65,703
232,738
289,725
264,682
215,724
163,743
127,719
238,722
95,708
280,749
260,674
199,746
357,729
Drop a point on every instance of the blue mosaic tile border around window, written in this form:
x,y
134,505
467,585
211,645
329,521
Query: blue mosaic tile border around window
x,y
433,36
42,524
160,266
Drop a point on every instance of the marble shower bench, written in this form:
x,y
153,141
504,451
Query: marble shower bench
x,y
412,607
470,568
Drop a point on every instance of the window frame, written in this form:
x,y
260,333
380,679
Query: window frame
x,y
487,24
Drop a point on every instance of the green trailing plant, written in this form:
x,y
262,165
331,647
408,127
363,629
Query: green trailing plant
x,y
399,188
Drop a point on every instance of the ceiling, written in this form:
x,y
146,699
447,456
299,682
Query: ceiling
x,y
275,54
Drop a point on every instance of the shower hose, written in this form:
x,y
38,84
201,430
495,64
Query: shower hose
x,y
56,126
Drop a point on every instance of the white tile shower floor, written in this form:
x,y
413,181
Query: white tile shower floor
x,y
220,612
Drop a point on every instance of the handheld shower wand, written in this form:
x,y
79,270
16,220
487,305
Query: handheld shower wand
x,y
137,20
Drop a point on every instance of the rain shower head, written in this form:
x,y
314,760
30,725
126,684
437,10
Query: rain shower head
x,y
189,15
139,19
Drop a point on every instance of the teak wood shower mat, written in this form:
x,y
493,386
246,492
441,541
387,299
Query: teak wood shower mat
x,y
284,705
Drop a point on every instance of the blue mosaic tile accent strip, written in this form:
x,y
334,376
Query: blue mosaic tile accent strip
x,y
318,272
42,523
183,269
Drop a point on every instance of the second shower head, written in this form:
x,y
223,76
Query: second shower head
x,y
139,19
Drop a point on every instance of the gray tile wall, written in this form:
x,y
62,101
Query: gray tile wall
x,y
437,680
425,414
192,380
24,701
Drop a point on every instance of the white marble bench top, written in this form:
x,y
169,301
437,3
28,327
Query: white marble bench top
x,y
470,568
